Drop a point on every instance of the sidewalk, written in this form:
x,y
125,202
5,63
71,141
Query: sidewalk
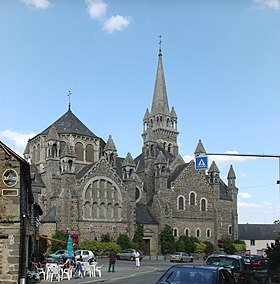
x,y
121,272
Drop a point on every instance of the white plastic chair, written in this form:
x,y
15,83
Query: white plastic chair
x,y
40,271
55,272
88,269
98,270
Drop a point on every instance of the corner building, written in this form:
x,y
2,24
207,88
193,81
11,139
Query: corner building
x,y
84,187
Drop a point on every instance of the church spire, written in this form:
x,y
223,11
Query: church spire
x,y
160,101
160,125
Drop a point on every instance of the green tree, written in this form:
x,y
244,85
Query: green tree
x,y
59,235
105,238
123,241
167,240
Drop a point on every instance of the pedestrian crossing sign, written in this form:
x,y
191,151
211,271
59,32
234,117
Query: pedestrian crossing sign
x,y
201,162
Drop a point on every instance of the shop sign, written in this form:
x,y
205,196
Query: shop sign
x,y
10,178
9,192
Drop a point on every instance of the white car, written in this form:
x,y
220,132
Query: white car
x,y
86,254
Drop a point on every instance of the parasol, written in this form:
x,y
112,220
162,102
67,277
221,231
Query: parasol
x,y
70,250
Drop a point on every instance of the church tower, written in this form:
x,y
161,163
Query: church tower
x,y
160,125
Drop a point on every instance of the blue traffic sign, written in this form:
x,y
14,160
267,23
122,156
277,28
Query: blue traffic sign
x,y
201,162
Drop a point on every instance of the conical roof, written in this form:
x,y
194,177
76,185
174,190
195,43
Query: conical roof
x,y
110,146
160,101
231,173
69,124
199,148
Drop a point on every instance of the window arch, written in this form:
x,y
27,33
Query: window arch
x,y
197,233
89,153
102,200
79,149
181,203
192,198
175,232
187,232
229,230
208,233
203,204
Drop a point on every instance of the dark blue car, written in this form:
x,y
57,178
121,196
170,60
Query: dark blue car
x,y
191,274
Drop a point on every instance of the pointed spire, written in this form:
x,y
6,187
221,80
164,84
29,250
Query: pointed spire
x,y
213,168
110,146
128,161
160,101
199,149
231,173
173,113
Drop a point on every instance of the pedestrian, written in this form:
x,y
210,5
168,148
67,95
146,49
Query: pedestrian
x,y
137,260
79,267
112,260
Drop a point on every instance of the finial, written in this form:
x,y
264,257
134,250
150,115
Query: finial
x,y
69,96
160,42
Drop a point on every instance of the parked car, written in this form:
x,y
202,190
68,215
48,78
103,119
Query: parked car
x,y
256,262
181,256
236,265
86,255
183,273
58,254
128,254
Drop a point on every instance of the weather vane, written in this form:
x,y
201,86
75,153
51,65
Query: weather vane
x,y
160,42
69,96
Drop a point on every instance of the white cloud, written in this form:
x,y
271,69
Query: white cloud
x,y
97,9
15,140
37,4
249,205
269,4
244,195
188,157
117,22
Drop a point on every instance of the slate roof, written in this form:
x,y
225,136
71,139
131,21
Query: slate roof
x,y
50,217
69,124
144,215
258,231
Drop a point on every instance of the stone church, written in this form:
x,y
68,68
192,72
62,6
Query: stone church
x,y
83,186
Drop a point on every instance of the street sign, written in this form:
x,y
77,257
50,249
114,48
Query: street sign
x,y
201,162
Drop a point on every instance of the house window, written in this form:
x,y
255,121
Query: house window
x,y
203,204
192,198
181,203
252,242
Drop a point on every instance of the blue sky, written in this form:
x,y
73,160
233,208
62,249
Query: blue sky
x,y
221,61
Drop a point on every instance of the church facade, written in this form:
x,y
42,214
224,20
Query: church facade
x,y
83,186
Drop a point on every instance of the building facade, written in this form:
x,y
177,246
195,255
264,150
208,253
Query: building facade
x,y
88,189
19,212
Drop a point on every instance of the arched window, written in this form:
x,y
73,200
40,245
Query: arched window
x,y
197,233
181,203
208,233
79,149
229,230
192,198
175,232
187,232
203,204
89,153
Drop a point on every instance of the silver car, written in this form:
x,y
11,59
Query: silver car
x,y
128,254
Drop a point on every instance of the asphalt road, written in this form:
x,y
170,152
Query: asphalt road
x,y
126,272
